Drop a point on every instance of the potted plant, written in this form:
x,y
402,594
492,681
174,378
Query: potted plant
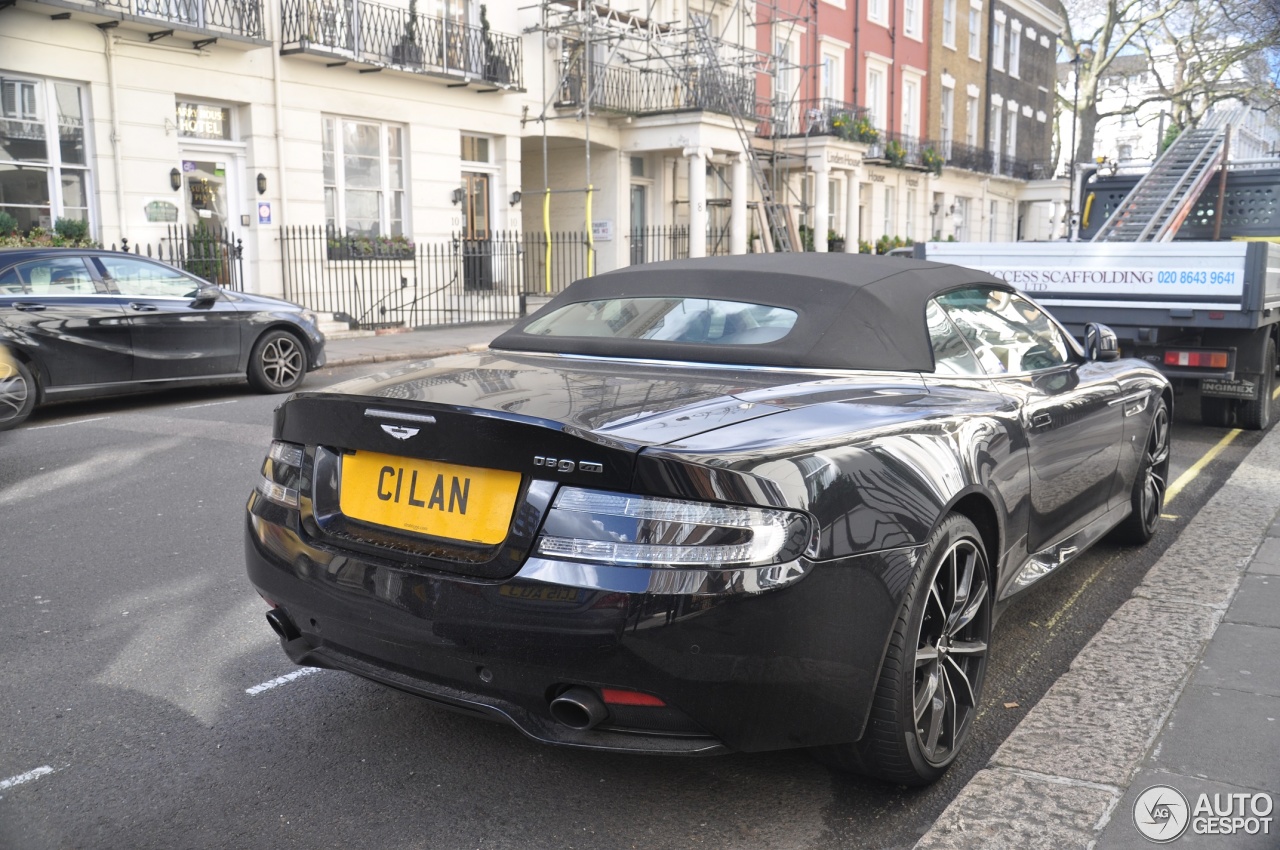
x,y
931,160
409,52
835,242
895,153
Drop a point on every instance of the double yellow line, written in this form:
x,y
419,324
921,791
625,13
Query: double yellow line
x,y
1196,468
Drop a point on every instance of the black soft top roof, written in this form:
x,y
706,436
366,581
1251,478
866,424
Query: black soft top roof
x,y
855,311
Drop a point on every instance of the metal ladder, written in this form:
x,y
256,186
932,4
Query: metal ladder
x,y
1157,206
774,212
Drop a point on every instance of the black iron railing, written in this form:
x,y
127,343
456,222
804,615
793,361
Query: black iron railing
x,y
234,17
899,150
657,243
815,117
644,91
215,254
375,283
389,36
567,261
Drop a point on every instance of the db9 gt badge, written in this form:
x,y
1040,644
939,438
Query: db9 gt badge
x,y
561,465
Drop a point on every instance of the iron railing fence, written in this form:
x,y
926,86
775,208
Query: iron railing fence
x,y
234,17
659,242
214,254
389,36
567,260
646,91
374,283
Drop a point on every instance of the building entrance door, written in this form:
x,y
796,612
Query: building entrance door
x,y
210,198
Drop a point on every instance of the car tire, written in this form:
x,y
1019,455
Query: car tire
x,y
278,363
1255,415
1149,485
930,683
17,392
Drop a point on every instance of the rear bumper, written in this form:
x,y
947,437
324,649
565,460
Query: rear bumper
x,y
791,667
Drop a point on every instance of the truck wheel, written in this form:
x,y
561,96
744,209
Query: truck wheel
x,y
1256,414
1216,412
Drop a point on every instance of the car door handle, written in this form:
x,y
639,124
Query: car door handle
x,y
28,306
142,308
1041,420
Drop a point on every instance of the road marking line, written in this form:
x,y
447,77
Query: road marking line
x,y
1052,621
21,778
65,424
209,404
1196,468
281,680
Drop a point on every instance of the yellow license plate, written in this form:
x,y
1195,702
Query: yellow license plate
x,y
428,497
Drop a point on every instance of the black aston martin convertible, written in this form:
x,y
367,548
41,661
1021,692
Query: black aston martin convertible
x,y
742,503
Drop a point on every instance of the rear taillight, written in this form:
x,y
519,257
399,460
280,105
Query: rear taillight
x,y
1197,359
282,474
648,531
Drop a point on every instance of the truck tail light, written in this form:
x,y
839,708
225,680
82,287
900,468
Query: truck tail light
x,y
1197,359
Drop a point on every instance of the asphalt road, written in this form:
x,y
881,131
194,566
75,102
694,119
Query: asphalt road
x,y
133,655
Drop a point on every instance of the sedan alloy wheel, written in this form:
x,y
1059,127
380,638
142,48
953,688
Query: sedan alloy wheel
x,y
278,363
17,391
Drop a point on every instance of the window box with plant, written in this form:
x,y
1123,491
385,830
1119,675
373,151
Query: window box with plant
x,y
855,129
895,153
932,161
359,246
67,233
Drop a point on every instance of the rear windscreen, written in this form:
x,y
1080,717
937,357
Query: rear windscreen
x,y
669,319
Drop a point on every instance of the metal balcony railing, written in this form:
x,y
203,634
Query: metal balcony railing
x,y
814,117
647,91
388,36
233,17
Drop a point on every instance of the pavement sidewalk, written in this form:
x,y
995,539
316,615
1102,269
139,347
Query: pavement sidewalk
x,y
1180,688
411,345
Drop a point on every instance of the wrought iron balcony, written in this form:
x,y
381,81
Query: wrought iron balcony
x,y
389,37
201,21
956,155
816,117
648,91
901,150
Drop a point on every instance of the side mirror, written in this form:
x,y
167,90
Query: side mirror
x,y
1100,343
206,294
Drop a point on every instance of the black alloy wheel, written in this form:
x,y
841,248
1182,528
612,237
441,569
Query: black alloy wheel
x,y
1151,482
17,391
278,363
931,681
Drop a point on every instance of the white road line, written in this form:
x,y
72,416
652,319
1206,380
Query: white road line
x,y
21,778
282,680
208,404
65,424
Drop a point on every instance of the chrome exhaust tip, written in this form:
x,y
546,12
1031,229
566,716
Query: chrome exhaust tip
x,y
579,708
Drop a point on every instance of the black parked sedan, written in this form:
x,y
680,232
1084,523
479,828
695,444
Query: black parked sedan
x,y
81,323
741,503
